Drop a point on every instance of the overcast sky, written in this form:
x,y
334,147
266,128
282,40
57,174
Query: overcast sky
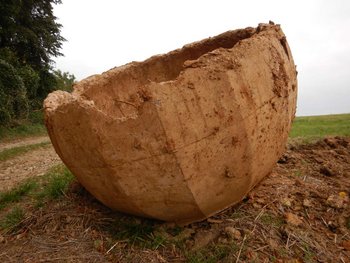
x,y
102,34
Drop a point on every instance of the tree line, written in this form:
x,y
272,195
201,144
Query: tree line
x,y
30,37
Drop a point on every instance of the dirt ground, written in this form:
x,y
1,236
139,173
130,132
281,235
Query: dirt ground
x,y
299,213
31,164
22,142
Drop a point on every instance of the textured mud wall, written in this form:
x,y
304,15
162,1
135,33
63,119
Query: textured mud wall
x,y
183,135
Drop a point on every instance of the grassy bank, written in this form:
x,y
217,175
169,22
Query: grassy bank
x,y
33,126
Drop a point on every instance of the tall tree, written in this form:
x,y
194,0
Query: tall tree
x,y
29,39
30,30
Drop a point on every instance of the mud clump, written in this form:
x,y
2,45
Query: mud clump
x,y
183,135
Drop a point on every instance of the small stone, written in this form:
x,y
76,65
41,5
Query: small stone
x,y
342,194
256,205
272,243
307,203
318,159
297,208
287,202
261,201
20,236
293,219
233,232
338,201
203,238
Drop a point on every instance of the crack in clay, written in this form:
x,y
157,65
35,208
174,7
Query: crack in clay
x,y
172,152
178,164
187,145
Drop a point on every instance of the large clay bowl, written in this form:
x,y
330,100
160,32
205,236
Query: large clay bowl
x,y
183,135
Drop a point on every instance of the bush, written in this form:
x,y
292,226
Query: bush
x,y
65,80
30,80
13,98
9,56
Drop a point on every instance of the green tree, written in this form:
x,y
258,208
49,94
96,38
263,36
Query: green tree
x,y
13,99
29,39
29,29
65,80
31,80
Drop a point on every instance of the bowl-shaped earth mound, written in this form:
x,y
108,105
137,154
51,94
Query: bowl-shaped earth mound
x,y
183,135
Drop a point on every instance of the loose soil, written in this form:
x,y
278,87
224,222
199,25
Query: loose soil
x,y
299,213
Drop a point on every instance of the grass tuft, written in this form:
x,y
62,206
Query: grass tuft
x,y
156,241
12,219
57,181
13,152
17,193
134,231
308,255
298,173
52,185
141,233
212,254
271,220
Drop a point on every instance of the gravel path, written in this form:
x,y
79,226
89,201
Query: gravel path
x,y
30,164
23,142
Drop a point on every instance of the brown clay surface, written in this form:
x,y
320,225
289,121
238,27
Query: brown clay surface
x,y
299,213
183,135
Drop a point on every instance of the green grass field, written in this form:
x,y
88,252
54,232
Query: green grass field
x,y
315,127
